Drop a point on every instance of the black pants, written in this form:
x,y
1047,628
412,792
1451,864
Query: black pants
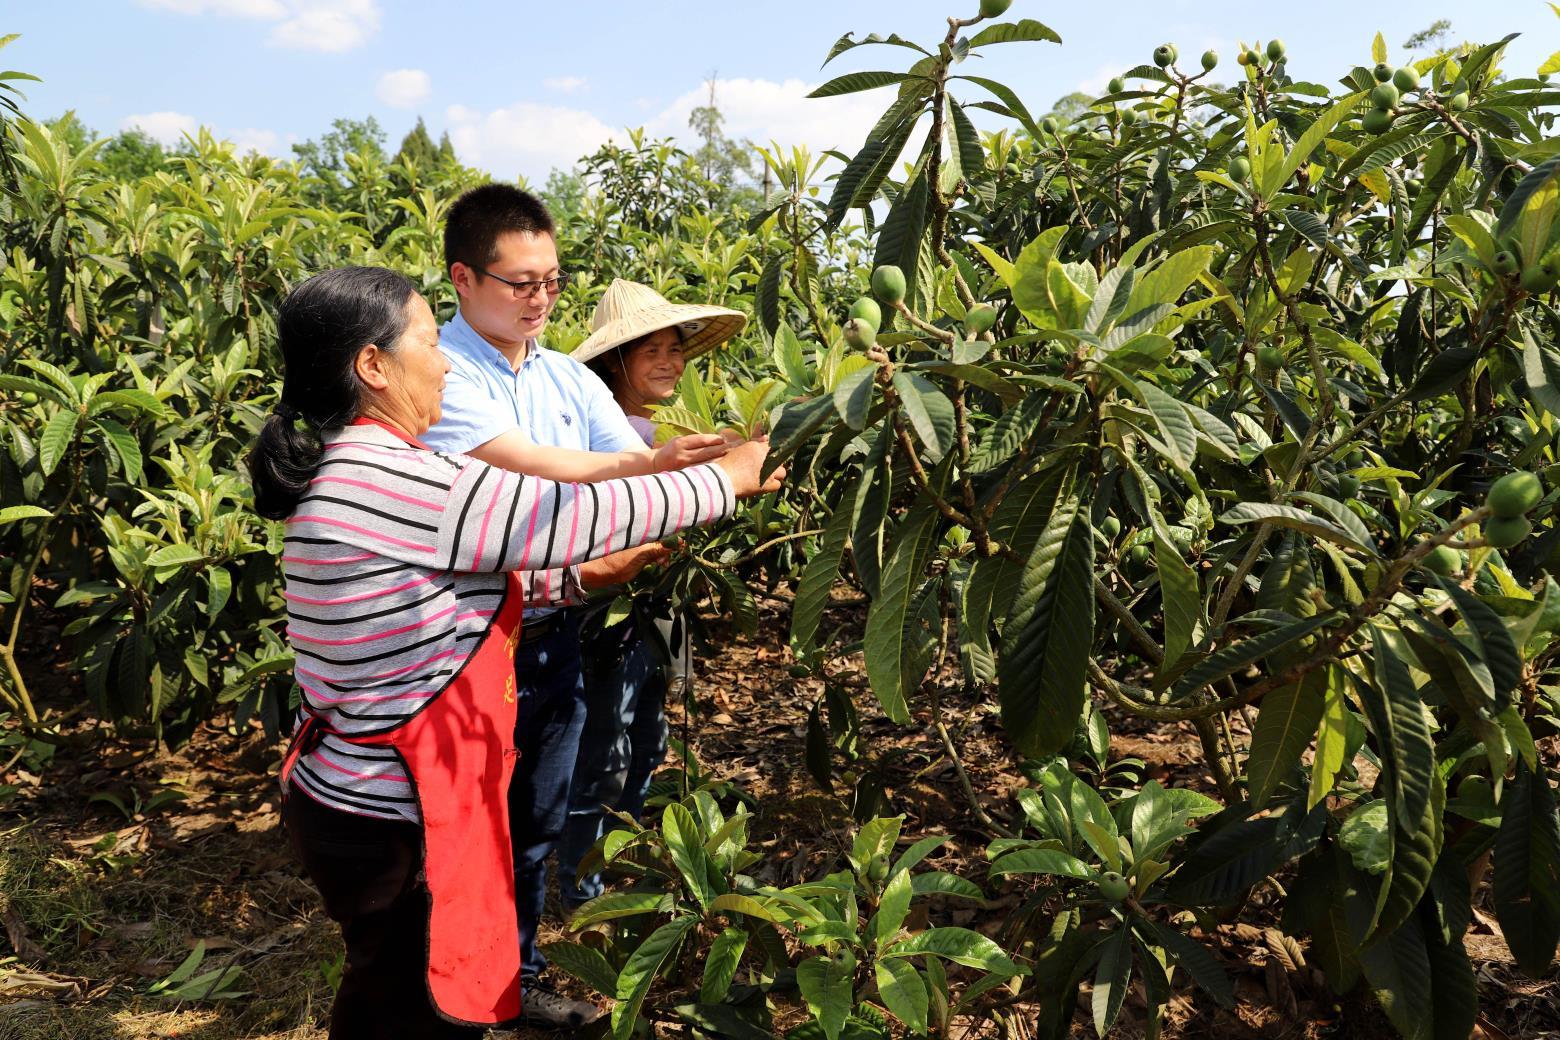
x,y
370,874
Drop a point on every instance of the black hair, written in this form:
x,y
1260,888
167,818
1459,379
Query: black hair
x,y
609,365
606,372
321,327
478,218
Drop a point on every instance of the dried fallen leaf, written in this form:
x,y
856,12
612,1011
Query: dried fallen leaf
x,y
121,842
40,983
16,932
1285,949
1279,991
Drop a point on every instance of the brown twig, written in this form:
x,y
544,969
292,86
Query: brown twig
x,y
758,550
1139,701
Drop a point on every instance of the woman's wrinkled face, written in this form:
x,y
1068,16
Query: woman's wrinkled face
x,y
415,369
651,369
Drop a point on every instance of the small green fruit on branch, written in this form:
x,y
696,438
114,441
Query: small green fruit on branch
x,y
1504,532
1443,560
1510,499
1376,121
1515,494
877,869
979,318
1542,276
1113,886
888,284
860,333
867,309
994,8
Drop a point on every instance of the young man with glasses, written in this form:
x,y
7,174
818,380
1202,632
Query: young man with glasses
x,y
516,404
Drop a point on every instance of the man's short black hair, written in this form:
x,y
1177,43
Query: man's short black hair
x,y
481,215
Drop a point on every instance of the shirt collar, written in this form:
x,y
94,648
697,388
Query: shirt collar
x,y
400,435
371,431
458,334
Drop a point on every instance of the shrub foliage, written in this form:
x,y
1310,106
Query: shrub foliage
x,y
1185,407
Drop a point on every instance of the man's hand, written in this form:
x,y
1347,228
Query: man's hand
x,y
689,450
622,567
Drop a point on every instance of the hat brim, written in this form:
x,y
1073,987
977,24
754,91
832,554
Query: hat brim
x,y
703,328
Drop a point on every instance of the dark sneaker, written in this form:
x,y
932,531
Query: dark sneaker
x,y
549,1009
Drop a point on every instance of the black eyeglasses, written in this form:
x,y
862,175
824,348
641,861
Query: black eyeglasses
x,y
524,290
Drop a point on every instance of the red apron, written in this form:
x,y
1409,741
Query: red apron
x,y
460,752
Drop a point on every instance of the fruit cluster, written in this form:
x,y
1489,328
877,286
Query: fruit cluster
x,y
866,317
888,285
1539,276
1392,84
1510,499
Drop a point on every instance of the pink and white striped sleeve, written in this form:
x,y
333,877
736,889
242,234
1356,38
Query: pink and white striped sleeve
x,y
496,520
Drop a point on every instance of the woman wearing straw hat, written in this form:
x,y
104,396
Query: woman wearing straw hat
x,y
640,343
639,346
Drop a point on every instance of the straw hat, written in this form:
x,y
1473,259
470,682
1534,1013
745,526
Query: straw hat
x,y
629,310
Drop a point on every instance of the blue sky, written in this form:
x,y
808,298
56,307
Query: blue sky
x,y
526,86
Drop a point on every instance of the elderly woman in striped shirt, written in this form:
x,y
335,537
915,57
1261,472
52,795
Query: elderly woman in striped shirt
x,y
407,570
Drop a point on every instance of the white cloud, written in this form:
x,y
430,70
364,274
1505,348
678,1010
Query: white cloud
x,y
330,26
253,139
166,128
404,88
565,84
525,137
766,111
169,128
268,9
531,139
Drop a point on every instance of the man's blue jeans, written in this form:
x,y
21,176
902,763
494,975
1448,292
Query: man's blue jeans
x,y
551,716
623,744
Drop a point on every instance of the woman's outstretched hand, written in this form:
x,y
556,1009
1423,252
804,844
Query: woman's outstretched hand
x,y
689,450
743,464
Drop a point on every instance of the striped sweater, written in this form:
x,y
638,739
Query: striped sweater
x,y
395,561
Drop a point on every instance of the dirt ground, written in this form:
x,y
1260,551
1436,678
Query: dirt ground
x,y
101,901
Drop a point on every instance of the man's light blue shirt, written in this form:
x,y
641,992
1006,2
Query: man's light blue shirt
x,y
552,398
